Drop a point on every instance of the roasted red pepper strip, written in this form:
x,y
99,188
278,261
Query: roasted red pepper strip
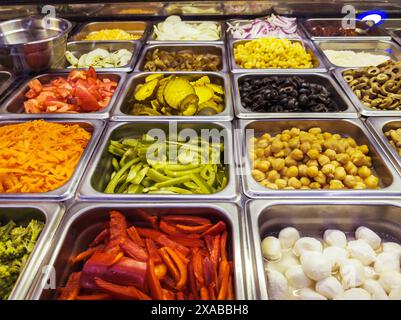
x,y
168,228
186,241
223,246
118,232
152,220
230,289
121,292
212,294
72,287
85,255
173,270
134,236
192,280
198,267
152,250
101,237
225,278
181,266
99,296
133,250
192,229
215,229
168,295
204,293
160,270
148,233
153,281
180,296
186,219
207,271
215,254
209,240
165,241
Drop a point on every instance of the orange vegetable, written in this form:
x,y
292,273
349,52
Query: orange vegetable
x,y
39,156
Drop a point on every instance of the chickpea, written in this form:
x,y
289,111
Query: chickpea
x,y
262,143
264,182
335,163
351,142
287,151
364,172
312,163
302,170
266,136
312,171
259,152
268,151
283,172
372,182
290,161
366,161
305,181
297,154
292,172
280,183
271,186
285,136
323,160
321,178
289,188
315,130
258,175
364,149
360,186
327,135
358,179
263,166
279,154
343,158
329,170
295,183
278,164
305,147
350,181
313,154
351,168
276,145
316,146
315,185
340,173
336,184
336,136
331,154
295,132
294,143
273,176
357,157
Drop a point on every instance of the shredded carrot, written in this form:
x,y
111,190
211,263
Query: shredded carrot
x,y
39,156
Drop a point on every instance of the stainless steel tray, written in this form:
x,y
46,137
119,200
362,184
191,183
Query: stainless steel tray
x,y
121,112
134,27
318,65
323,79
20,213
6,80
152,36
391,24
396,34
378,126
117,10
363,110
13,107
83,222
216,49
98,172
261,8
375,33
78,48
67,191
311,218
178,8
382,47
389,177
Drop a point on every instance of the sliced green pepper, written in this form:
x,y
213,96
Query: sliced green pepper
x,y
116,179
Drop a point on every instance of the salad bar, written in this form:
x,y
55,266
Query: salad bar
x,y
189,152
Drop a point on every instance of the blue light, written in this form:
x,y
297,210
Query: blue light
x,y
377,16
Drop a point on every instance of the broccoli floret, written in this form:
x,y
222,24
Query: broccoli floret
x,y
16,243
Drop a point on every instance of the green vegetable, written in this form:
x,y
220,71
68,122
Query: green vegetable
x,y
195,172
16,244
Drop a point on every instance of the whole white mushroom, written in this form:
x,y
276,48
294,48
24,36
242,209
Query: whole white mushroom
x,y
392,247
352,273
288,259
329,287
387,261
395,294
307,244
315,265
297,278
271,248
277,285
335,238
371,237
309,294
336,256
390,280
375,289
361,250
288,236
354,294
